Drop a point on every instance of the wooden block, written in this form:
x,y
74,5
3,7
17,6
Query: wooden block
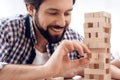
x,y
86,35
96,66
105,25
104,34
102,14
104,56
104,66
93,55
88,25
97,50
95,24
97,40
87,15
93,61
95,19
107,77
98,45
96,77
89,30
94,40
86,76
89,56
91,66
95,71
100,50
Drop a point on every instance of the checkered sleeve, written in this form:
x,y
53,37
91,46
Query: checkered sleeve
x,y
4,39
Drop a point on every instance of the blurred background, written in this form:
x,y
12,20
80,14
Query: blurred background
x,y
10,8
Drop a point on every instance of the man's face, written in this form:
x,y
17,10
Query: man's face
x,y
53,17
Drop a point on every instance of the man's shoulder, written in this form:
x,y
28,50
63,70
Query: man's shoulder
x,y
12,19
12,25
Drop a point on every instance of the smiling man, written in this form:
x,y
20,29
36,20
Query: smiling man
x,y
33,38
52,19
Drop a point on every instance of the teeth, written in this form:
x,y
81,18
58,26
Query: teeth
x,y
57,29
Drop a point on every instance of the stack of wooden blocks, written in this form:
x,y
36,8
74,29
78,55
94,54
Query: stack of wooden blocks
x,y
97,30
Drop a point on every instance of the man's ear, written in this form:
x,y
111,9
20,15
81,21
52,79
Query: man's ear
x,y
30,9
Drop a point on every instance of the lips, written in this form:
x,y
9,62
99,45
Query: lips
x,y
57,29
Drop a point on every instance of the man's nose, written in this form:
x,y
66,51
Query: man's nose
x,y
61,21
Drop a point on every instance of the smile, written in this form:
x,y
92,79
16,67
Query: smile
x,y
57,29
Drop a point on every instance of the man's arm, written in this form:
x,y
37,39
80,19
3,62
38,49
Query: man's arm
x,y
116,62
115,69
115,72
58,63
24,72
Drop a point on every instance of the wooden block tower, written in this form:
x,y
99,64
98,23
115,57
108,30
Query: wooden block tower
x,y
97,30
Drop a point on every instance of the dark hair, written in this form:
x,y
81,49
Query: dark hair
x,y
36,3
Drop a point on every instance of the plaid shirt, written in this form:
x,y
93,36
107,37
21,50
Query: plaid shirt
x,y
17,40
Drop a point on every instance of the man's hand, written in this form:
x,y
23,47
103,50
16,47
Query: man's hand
x,y
59,62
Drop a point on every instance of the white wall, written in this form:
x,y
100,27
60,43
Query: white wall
x,y
12,7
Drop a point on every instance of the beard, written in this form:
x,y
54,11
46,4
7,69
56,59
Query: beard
x,y
46,34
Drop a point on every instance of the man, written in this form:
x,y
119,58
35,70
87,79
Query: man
x,y
58,63
33,38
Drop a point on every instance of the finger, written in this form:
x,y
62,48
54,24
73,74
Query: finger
x,y
83,61
79,62
85,48
77,46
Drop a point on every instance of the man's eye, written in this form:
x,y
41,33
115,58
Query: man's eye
x,y
67,14
53,13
